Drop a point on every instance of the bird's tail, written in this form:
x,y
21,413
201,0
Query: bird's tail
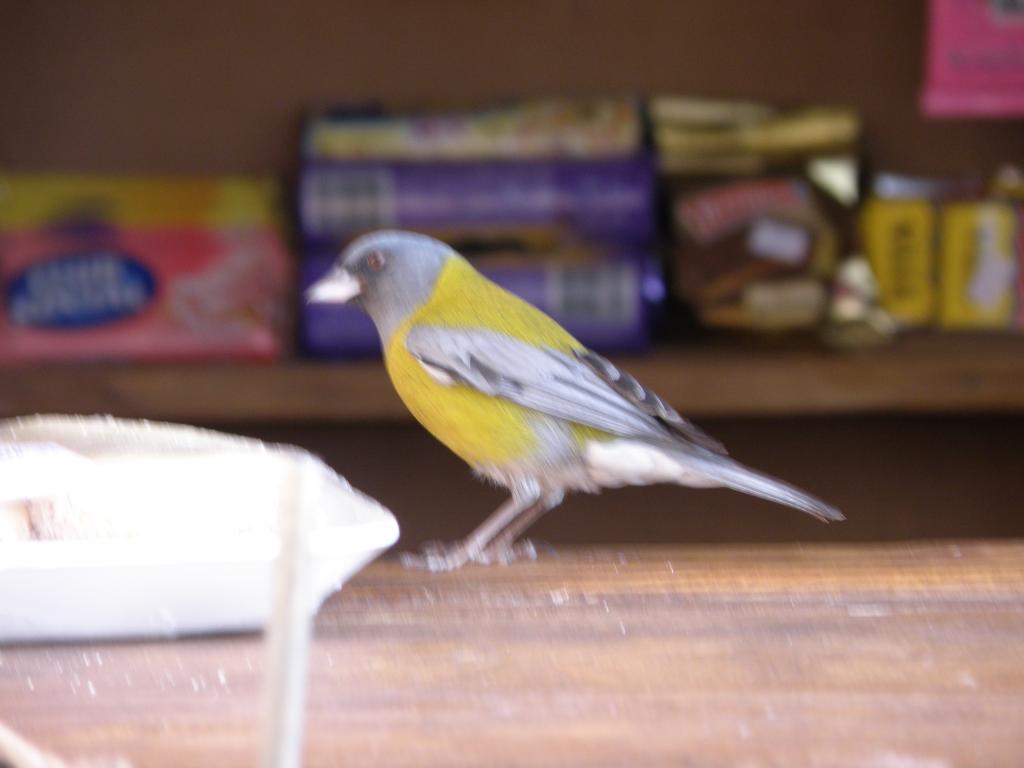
x,y
732,474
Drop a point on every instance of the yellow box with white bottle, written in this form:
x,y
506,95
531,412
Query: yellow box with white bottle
x,y
980,265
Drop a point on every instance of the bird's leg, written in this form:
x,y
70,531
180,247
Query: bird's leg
x,y
448,557
503,547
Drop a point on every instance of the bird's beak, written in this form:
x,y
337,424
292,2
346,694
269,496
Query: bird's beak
x,y
336,287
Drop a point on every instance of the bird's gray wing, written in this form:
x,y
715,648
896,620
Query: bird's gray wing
x,y
574,387
647,401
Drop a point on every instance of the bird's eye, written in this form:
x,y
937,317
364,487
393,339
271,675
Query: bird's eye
x,y
375,260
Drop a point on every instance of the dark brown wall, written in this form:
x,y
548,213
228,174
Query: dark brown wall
x,y
894,477
216,86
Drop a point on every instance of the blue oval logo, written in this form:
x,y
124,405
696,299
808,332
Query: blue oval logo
x,y
80,290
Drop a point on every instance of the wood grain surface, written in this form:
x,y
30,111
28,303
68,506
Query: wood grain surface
x,y
897,656
919,374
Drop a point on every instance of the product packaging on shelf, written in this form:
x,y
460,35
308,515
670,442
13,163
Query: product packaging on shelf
x,y
98,268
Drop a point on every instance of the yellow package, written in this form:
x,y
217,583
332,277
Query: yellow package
x,y
978,265
899,238
31,200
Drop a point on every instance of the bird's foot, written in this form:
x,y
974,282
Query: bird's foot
x,y
506,553
437,557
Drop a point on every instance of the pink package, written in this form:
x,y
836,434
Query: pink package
x,y
975,58
142,294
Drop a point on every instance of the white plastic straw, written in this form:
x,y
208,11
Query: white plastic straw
x,y
288,634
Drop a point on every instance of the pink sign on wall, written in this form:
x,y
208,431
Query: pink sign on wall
x,y
975,64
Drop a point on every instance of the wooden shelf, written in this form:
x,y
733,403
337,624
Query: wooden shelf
x,y
794,655
922,374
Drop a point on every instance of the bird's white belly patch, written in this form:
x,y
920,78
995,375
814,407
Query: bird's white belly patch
x,y
629,462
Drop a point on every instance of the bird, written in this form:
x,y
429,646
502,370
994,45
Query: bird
x,y
517,397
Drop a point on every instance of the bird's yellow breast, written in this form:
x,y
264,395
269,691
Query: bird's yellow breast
x,y
482,429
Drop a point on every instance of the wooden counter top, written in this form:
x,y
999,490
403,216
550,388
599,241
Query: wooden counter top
x,y
908,656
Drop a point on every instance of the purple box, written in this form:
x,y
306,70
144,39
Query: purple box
x,y
608,304
596,199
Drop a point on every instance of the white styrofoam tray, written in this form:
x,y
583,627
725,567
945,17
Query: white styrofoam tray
x,y
192,573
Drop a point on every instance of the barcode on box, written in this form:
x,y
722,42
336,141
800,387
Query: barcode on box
x,y
596,294
342,201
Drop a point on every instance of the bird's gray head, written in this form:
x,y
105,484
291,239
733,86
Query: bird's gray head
x,y
387,273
